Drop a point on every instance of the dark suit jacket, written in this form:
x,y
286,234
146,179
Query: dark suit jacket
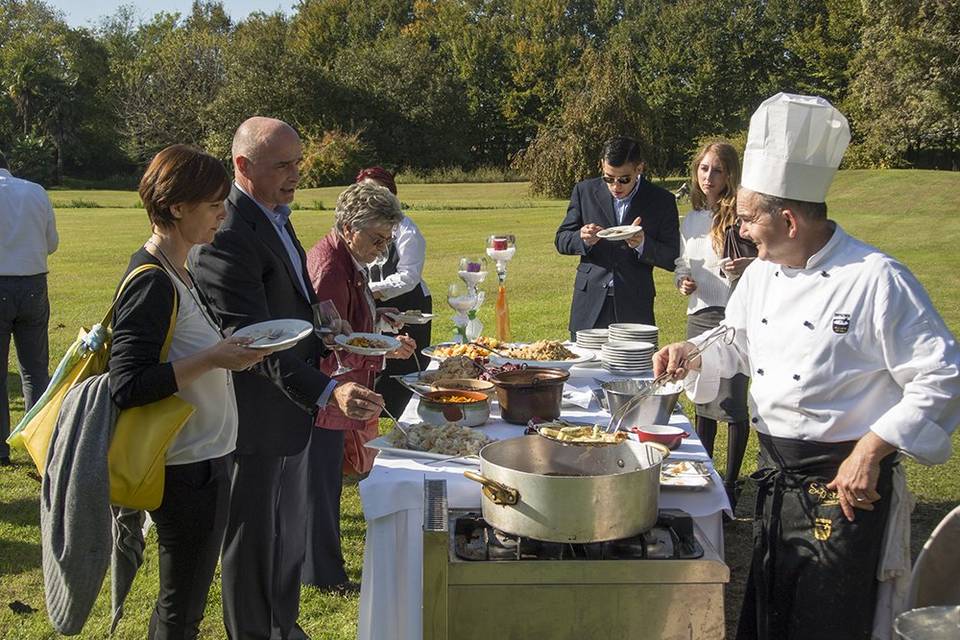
x,y
632,272
246,277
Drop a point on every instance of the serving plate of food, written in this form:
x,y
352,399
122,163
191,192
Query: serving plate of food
x,y
367,344
685,474
446,350
275,334
552,354
431,442
619,233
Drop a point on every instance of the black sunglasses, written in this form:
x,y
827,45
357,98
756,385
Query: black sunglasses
x,y
618,180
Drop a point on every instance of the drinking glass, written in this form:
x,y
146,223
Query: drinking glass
x,y
328,324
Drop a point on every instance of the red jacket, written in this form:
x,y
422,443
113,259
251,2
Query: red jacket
x,y
334,276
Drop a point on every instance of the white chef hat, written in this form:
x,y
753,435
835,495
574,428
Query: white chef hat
x,y
794,147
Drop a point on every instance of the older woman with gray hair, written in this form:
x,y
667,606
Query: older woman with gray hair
x,y
366,215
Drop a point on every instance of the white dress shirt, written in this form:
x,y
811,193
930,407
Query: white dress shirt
x,y
28,231
411,254
699,261
849,343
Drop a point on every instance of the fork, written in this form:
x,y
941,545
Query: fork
x,y
273,335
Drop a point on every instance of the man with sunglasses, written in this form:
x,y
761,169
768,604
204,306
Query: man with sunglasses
x,y
614,280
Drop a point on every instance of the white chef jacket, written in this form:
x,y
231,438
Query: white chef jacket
x,y
411,254
847,344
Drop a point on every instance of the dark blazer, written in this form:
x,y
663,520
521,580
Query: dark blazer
x,y
632,272
246,277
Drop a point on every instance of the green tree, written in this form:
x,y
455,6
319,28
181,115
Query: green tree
x,y
905,93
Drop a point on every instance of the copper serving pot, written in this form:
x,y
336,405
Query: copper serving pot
x,y
532,392
435,408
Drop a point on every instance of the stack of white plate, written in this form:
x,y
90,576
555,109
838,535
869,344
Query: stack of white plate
x,y
627,357
632,332
591,338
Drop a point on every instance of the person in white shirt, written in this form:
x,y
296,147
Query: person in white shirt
x,y
28,234
706,281
851,367
397,283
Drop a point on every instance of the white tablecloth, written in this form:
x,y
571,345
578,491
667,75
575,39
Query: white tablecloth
x,y
392,497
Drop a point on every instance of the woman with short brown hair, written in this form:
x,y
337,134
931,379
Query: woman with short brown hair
x,y
182,190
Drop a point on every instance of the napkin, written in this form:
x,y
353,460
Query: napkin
x,y
577,396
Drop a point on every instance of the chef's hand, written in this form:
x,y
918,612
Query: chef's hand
x,y
734,268
588,233
856,480
406,349
672,360
356,401
636,240
687,285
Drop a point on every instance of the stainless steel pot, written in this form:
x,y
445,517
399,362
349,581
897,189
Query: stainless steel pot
x,y
654,409
545,490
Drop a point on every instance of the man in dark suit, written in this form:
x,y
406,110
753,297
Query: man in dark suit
x,y
255,270
614,281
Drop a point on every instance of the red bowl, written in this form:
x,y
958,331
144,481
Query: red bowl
x,y
666,435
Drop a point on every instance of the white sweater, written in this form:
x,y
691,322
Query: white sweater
x,y
700,262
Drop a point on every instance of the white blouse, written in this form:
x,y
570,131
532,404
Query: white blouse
x,y
211,432
848,344
699,261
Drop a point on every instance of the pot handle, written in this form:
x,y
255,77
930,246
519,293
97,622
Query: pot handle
x,y
659,447
498,493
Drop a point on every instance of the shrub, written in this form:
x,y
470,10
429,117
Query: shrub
x,y
331,158
33,158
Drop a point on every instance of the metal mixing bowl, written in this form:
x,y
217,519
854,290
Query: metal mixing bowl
x,y
655,409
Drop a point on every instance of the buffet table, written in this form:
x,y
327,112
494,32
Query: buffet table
x,y
392,498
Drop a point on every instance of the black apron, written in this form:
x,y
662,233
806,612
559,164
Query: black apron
x,y
813,573
394,394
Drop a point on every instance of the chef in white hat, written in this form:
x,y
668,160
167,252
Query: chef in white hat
x,y
851,368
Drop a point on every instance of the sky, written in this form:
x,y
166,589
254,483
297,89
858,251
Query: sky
x,y
85,13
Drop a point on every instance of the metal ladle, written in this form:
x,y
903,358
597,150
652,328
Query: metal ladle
x,y
723,332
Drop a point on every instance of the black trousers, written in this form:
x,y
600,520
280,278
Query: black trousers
x,y
24,315
323,561
263,548
814,573
190,523
395,395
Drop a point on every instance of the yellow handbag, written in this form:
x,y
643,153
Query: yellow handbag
x,y
142,435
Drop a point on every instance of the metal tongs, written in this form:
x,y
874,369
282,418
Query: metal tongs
x,y
723,332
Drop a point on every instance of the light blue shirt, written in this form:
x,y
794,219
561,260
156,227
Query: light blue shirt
x,y
279,217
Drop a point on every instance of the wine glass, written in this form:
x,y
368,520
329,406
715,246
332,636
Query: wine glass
x,y
461,297
327,324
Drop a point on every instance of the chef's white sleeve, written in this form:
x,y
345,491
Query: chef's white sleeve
x,y
721,360
922,356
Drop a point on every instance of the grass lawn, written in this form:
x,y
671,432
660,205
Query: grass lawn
x,y
909,214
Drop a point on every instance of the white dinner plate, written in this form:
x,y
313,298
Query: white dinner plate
x,y
685,474
388,343
383,444
276,335
583,355
411,317
619,233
